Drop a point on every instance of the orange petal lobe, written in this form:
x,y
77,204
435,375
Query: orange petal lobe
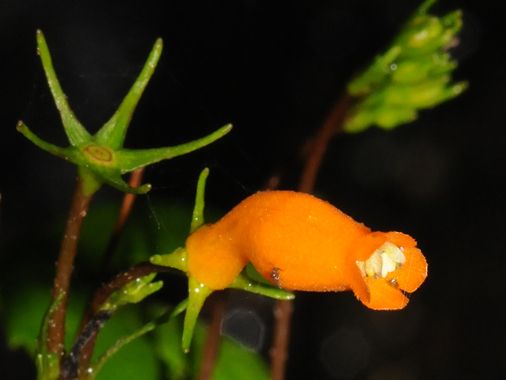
x,y
400,239
413,273
384,296
358,284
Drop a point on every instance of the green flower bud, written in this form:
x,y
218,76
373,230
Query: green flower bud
x,y
423,35
413,74
133,292
411,71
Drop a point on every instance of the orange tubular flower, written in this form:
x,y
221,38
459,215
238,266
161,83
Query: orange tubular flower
x,y
299,242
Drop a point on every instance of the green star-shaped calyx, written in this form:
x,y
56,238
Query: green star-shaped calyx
x,y
101,157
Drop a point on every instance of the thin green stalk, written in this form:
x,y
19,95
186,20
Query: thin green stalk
x,y
150,326
124,212
319,143
95,369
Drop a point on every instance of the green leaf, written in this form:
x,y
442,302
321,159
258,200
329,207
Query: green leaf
x,y
23,312
25,307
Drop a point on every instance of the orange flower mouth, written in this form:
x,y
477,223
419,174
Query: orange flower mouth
x,y
385,260
394,268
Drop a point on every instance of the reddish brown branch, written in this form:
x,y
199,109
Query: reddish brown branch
x,y
319,143
126,207
279,350
128,200
124,213
317,148
210,352
64,267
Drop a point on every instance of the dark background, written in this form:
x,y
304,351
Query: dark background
x,y
274,69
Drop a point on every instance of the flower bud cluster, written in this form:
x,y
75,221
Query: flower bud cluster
x,y
413,74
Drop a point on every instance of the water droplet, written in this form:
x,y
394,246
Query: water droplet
x,y
245,326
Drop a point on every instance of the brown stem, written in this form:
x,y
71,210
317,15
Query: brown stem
x,y
319,143
64,267
279,350
318,146
210,352
124,213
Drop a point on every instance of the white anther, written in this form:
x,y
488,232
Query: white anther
x,y
383,261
